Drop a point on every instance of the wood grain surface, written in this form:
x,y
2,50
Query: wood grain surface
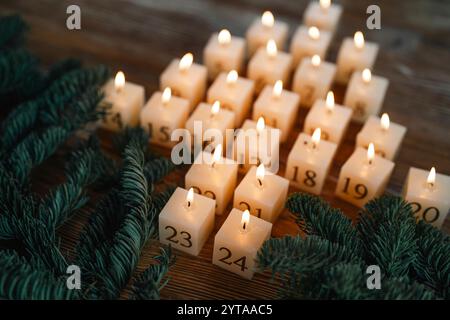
x,y
142,36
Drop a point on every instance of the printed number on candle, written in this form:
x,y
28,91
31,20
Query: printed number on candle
x,y
164,130
185,240
360,108
323,134
430,214
247,207
206,193
378,151
308,93
309,179
360,189
227,259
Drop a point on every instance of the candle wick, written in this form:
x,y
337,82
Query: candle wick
x,y
244,226
189,204
370,161
260,182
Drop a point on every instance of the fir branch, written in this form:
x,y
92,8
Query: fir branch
x,y
12,28
156,169
16,67
148,285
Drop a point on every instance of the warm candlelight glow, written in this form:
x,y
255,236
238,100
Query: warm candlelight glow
x,y
224,37
329,103
315,60
358,39
186,62
277,89
232,77
217,154
366,75
190,198
325,4
314,33
267,19
316,137
260,173
166,95
384,122
245,220
260,125
119,81
370,153
431,177
271,48
215,108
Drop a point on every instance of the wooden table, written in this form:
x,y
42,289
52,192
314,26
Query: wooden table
x,y
141,37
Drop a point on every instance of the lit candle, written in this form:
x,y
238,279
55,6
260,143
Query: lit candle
x,y
257,143
355,55
186,79
224,53
269,65
238,241
264,29
323,14
365,94
309,162
162,114
309,41
427,192
363,176
333,119
186,221
278,107
209,116
234,93
386,136
126,100
313,79
213,176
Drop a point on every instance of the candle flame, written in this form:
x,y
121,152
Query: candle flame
x,y
224,37
325,4
271,48
267,19
186,62
370,153
119,81
384,122
314,33
190,198
277,89
217,153
215,108
260,125
316,137
166,95
366,75
232,77
358,39
329,103
431,177
260,173
315,60
245,220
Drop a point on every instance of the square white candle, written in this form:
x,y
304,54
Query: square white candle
x,y
186,79
234,93
323,15
224,53
365,94
355,55
162,114
313,79
210,116
278,107
361,180
257,143
263,29
236,248
268,65
186,223
309,162
308,41
262,194
126,100
331,118
428,191
385,135
213,178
